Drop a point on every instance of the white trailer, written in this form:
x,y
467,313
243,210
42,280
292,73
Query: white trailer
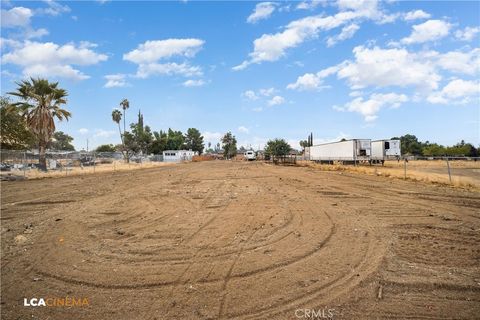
x,y
178,155
346,151
385,149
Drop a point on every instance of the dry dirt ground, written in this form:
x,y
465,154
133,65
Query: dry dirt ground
x,y
237,240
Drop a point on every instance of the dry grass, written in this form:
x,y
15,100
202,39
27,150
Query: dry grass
x,y
77,171
464,174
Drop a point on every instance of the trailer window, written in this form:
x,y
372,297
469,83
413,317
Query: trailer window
x,y
363,152
387,145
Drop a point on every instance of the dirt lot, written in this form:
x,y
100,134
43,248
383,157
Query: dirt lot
x,y
236,240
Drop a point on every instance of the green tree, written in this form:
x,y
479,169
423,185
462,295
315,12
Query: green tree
x,y
194,140
303,144
142,136
117,117
14,133
433,150
277,148
61,141
159,143
125,104
410,145
40,104
175,140
229,145
106,148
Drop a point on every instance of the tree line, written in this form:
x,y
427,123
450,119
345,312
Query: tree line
x,y
140,139
410,145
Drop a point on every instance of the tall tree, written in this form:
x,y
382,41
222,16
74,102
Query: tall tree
x,y
117,117
175,140
40,104
61,141
14,133
410,144
277,148
304,144
125,104
229,145
194,140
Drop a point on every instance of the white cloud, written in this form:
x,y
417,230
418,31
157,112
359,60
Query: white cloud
x,y
263,10
467,34
170,68
347,33
267,92
194,83
154,50
16,17
430,30
243,129
115,80
460,62
369,108
30,33
456,91
250,94
148,54
83,131
271,47
52,60
276,101
388,67
101,133
416,15
310,4
53,9
310,81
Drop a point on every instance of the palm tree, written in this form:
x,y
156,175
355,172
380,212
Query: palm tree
x,y
40,105
117,117
125,105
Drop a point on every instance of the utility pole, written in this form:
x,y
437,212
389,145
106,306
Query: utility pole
x,y
87,144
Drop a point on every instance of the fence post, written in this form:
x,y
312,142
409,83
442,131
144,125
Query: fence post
x,y
405,169
24,164
448,168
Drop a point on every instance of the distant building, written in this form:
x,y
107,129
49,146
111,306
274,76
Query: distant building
x,y
178,155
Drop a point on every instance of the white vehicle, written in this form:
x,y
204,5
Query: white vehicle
x,y
385,149
250,155
346,151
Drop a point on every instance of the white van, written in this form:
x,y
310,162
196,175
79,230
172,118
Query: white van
x,y
250,155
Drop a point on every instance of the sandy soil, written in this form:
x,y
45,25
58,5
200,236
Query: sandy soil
x,y
237,240
465,174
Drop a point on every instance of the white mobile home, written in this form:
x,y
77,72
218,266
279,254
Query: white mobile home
x,y
347,151
385,149
178,155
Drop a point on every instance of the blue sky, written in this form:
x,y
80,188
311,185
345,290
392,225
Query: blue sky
x,y
262,70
